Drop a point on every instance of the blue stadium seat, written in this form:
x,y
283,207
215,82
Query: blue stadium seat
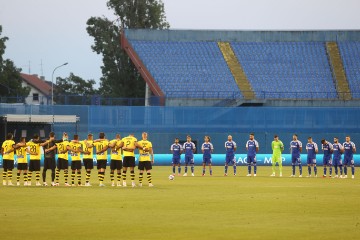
x,y
350,52
188,69
299,69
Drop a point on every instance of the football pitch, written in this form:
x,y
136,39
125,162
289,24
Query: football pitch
x,y
216,207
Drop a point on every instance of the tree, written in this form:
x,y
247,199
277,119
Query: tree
x,y
73,87
10,80
120,76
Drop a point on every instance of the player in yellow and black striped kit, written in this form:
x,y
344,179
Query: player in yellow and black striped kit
x,y
129,144
101,146
22,162
146,159
116,160
7,150
75,150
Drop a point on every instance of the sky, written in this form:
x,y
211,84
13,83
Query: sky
x,y
44,34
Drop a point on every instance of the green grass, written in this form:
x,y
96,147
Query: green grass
x,y
197,207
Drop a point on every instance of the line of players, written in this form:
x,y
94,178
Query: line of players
x,y
118,148
331,157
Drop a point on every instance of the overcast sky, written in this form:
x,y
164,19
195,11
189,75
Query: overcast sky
x,y
44,34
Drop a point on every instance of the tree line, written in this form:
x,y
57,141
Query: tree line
x,y
120,77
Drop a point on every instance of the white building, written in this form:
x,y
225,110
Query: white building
x,y
40,90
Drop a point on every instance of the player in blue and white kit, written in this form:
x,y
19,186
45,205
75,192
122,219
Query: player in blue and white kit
x,y
338,149
349,150
230,147
189,148
252,147
207,148
312,150
327,147
296,149
176,149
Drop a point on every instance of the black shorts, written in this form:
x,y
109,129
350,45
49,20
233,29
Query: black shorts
x,y
49,163
116,164
88,163
22,166
145,165
129,161
101,164
8,164
75,165
34,165
62,164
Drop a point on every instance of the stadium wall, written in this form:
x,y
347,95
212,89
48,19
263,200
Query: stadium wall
x,y
241,36
217,159
165,123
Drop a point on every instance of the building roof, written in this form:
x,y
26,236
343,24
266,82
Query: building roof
x,y
36,82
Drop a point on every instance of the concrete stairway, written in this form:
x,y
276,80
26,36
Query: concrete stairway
x,y
342,84
236,70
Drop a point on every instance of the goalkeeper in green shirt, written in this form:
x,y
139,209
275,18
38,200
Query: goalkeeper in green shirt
x,y
277,146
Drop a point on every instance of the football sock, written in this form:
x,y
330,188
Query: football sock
x,y
330,171
140,177
300,169
29,176
132,175
293,169
226,169
124,175
341,170
37,176
324,171
192,168
353,170
345,170
57,175
102,176
309,170
273,166
112,176
315,170
204,170
88,176
44,175
25,177
210,171
66,175
79,177
336,170
52,175
280,165
9,174
179,170
99,176
4,175
18,177
255,169
249,169
118,176
149,177
73,177
234,169
173,169
185,169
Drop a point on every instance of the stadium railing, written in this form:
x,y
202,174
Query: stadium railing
x,y
223,98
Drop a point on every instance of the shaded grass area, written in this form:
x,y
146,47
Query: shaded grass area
x,y
217,207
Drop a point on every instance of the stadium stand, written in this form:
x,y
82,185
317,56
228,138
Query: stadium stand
x,y
290,70
188,69
350,52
